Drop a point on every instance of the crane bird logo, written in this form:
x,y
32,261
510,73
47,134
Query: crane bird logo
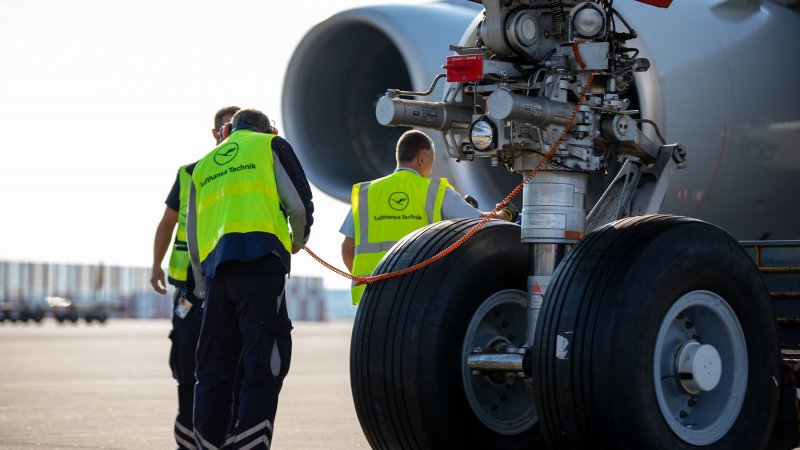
x,y
226,154
398,201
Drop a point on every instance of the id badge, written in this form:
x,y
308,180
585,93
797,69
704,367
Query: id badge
x,y
183,307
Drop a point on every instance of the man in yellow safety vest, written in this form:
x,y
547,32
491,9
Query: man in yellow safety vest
x,y
384,210
185,318
244,197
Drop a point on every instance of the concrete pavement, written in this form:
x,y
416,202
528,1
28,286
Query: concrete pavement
x,y
109,387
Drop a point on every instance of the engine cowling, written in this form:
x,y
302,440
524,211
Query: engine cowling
x,y
339,71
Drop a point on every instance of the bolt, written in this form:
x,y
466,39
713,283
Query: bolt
x,y
504,324
511,337
495,314
622,126
696,337
503,397
692,402
680,316
683,414
493,407
689,324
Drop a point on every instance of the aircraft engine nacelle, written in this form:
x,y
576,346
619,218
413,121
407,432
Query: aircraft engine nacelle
x,y
722,83
339,71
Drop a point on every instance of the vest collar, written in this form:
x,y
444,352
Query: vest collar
x,y
244,127
407,169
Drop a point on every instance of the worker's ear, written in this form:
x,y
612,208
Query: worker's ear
x,y
223,132
226,130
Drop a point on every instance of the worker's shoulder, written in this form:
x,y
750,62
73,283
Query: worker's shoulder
x,y
281,144
189,168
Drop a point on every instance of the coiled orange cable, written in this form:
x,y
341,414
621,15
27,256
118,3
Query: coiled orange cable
x,y
370,279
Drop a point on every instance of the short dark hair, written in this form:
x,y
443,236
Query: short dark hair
x,y
252,118
226,111
410,144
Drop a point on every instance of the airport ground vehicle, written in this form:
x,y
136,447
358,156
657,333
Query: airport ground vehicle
x,y
62,311
619,328
30,292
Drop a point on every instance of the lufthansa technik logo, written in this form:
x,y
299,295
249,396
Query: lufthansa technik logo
x,y
226,154
398,201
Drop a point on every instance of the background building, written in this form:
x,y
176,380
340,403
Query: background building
x,y
34,290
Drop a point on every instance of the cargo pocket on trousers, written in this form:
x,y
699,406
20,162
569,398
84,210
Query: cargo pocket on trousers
x,y
278,348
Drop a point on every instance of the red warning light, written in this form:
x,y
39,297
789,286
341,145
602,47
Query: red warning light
x,y
464,68
659,3
536,288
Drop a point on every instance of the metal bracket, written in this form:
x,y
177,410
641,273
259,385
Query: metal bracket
x,y
637,189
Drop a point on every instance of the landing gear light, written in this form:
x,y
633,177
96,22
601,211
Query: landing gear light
x,y
482,135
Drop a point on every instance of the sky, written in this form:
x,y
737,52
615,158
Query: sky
x,y
101,101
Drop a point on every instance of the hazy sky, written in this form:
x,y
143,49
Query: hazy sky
x,y
101,101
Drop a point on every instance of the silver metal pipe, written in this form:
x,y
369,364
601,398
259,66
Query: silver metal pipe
x,y
393,111
537,111
553,218
543,260
495,362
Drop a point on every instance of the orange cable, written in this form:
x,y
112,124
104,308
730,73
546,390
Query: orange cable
x,y
369,279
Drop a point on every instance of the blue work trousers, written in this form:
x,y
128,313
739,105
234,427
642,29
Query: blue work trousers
x,y
245,324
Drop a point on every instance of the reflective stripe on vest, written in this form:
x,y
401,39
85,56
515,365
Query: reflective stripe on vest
x,y
237,193
387,209
179,258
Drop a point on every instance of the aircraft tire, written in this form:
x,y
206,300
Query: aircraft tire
x,y
657,332
406,357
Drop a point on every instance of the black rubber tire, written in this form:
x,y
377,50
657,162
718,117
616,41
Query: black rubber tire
x,y
405,356
612,293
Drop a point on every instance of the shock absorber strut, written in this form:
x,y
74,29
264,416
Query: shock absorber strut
x,y
553,219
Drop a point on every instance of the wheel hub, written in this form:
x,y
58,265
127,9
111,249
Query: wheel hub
x,y
699,367
699,396
498,398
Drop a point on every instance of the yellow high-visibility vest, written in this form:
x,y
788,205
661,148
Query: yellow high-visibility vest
x,y
179,258
237,193
385,210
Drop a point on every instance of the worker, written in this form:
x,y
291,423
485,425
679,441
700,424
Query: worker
x,y
185,305
240,245
391,207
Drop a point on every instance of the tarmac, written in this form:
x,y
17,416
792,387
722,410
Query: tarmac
x,y
79,386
